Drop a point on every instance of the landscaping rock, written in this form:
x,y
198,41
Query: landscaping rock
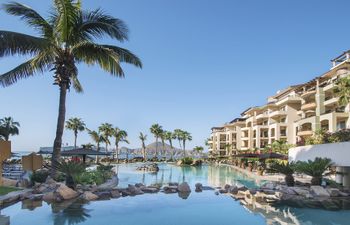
x,y
170,189
334,192
199,187
36,197
223,191
299,190
207,188
49,197
319,191
184,187
173,184
103,195
89,196
134,190
149,189
109,185
233,190
66,192
115,194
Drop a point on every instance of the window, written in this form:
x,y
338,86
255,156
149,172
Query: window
x,y
341,125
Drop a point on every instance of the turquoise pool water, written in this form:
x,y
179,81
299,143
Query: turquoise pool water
x,y
204,208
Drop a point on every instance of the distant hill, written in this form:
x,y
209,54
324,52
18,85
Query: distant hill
x,y
151,148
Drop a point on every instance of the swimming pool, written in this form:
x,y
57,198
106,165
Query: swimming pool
x,y
203,208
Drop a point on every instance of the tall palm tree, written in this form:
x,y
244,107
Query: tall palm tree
x,y
67,37
156,130
163,138
106,130
120,136
185,136
178,136
75,124
8,127
342,90
97,137
169,136
143,138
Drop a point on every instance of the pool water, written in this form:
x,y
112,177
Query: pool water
x,y
205,208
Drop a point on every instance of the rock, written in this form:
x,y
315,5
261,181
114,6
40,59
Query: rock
x,y
49,180
223,191
89,196
36,197
103,195
24,183
334,192
179,163
8,182
269,185
227,186
149,189
217,193
184,195
49,197
115,194
66,192
233,190
300,190
184,187
138,185
149,168
173,184
199,187
319,191
134,190
207,188
197,162
170,189
109,185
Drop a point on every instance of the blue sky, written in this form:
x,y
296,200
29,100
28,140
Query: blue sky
x,y
205,62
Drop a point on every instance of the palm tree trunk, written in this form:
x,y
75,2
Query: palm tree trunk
x,y
75,139
184,142
156,153
172,150
56,153
144,152
98,149
116,152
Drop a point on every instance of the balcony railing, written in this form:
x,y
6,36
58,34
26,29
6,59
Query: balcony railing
x,y
309,106
305,133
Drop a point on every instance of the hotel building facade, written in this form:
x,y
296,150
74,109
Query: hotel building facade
x,y
292,115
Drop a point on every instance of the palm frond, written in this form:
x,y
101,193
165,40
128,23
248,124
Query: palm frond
x,y
12,43
125,55
96,24
92,54
30,16
76,84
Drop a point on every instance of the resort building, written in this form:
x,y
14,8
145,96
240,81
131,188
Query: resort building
x,y
292,115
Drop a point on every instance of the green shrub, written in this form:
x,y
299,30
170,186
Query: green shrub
x,y
39,176
287,169
316,168
187,161
94,177
71,170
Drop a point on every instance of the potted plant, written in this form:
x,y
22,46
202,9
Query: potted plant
x,y
316,169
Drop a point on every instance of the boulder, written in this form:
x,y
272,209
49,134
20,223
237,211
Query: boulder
x,y
66,192
173,184
199,187
227,186
109,185
36,197
319,191
49,197
115,194
299,190
184,187
134,190
233,190
89,196
223,191
170,189
103,195
149,189
179,163
334,192
207,188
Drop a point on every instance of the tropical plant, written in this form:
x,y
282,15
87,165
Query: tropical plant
x,y
169,136
8,127
163,138
75,124
87,146
157,131
314,168
97,138
342,90
143,138
280,146
106,130
185,136
120,136
287,169
178,135
67,38
71,170
198,149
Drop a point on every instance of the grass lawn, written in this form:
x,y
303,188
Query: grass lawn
x,y
5,190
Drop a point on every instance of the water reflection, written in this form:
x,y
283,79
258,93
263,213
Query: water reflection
x,y
73,213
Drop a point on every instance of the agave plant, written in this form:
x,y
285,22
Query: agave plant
x,y
287,169
316,169
71,170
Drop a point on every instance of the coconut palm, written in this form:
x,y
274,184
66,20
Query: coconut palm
x,y
8,128
67,37
97,138
185,136
198,149
316,169
169,136
120,136
157,131
106,130
75,124
178,135
342,90
143,138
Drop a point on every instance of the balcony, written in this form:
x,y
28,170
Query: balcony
x,y
278,113
308,93
309,106
304,133
288,99
262,116
331,101
329,87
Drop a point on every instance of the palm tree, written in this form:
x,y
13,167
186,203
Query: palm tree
x,y
342,90
170,136
106,130
8,127
97,138
178,136
87,146
75,124
156,130
316,168
185,136
67,37
198,149
162,138
287,169
143,138
120,136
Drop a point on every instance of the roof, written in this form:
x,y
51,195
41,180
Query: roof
x,y
80,152
286,90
